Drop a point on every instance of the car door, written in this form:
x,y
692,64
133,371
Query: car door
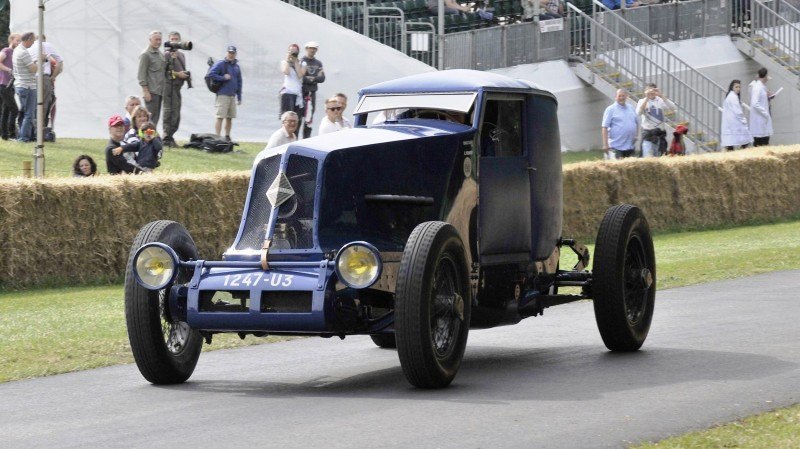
x,y
504,181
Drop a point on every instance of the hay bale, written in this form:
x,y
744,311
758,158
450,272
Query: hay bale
x,y
701,198
649,184
80,230
587,195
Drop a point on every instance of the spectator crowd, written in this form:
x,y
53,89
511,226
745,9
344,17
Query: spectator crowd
x,y
621,123
135,146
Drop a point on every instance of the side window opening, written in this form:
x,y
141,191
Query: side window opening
x,y
501,129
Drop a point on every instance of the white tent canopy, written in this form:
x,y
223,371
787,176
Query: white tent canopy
x,y
100,41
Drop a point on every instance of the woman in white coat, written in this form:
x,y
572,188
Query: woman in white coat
x,y
734,124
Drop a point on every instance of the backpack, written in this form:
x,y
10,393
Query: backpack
x,y
212,84
213,143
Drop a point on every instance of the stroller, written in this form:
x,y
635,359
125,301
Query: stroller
x,y
677,148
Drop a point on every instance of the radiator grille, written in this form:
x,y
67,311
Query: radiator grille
x,y
295,216
294,224
258,213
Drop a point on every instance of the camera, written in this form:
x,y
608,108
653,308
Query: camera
x,y
294,54
178,45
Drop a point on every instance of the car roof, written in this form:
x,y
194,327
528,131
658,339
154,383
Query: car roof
x,y
448,81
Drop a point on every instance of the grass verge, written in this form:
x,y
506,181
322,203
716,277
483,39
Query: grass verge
x,y
778,429
59,157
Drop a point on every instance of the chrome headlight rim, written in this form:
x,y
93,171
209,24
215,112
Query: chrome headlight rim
x,y
378,260
173,257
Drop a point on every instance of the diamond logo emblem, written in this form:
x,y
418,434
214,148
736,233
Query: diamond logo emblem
x,y
280,190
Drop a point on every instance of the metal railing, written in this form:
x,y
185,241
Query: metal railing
x,y
420,39
771,26
386,24
789,11
622,54
678,20
506,45
351,14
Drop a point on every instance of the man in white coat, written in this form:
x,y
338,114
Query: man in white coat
x,y
760,118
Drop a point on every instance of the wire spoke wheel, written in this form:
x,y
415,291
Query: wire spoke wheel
x,y
165,349
445,319
175,333
636,281
432,306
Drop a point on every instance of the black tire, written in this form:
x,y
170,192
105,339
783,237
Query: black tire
x,y
624,278
165,351
385,341
432,305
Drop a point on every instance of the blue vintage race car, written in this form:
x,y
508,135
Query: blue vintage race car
x,y
439,212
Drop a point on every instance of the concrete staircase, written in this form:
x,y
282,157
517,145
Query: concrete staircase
x,y
770,35
608,61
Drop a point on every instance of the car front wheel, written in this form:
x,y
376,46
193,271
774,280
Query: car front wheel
x,y
432,306
166,350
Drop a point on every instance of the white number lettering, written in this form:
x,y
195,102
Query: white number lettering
x,y
248,280
288,281
275,280
235,280
258,278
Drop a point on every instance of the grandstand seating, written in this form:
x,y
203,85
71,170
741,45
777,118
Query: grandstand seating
x,y
349,16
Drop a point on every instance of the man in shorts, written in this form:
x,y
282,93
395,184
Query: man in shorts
x,y
227,72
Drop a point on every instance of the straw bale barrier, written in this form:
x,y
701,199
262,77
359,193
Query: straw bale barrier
x,y
686,193
71,231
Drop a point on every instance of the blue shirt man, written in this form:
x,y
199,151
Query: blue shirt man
x,y
229,95
620,125
617,4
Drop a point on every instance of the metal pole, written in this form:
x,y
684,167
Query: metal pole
x,y
38,155
440,39
366,18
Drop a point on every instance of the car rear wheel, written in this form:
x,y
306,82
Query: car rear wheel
x,y
165,349
624,278
432,306
385,341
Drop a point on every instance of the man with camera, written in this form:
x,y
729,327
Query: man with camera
x,y
176,75
652,111
292,90
151,75
312,77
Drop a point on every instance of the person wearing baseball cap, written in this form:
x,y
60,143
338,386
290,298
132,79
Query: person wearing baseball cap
x,y
313,76
229,95
116,165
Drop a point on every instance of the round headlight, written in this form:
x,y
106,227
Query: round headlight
x,y
358,264
155,266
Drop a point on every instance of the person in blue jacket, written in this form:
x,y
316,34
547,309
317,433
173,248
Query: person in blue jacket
x,y
617,4
227,72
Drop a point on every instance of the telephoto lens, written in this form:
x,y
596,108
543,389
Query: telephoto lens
x,y
178,45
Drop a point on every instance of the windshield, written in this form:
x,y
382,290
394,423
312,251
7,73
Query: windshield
x,y
459,101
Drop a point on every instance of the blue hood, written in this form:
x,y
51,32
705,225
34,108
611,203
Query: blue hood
x,y
366,136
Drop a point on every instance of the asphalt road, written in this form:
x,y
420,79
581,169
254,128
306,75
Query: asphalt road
x,y
716,352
